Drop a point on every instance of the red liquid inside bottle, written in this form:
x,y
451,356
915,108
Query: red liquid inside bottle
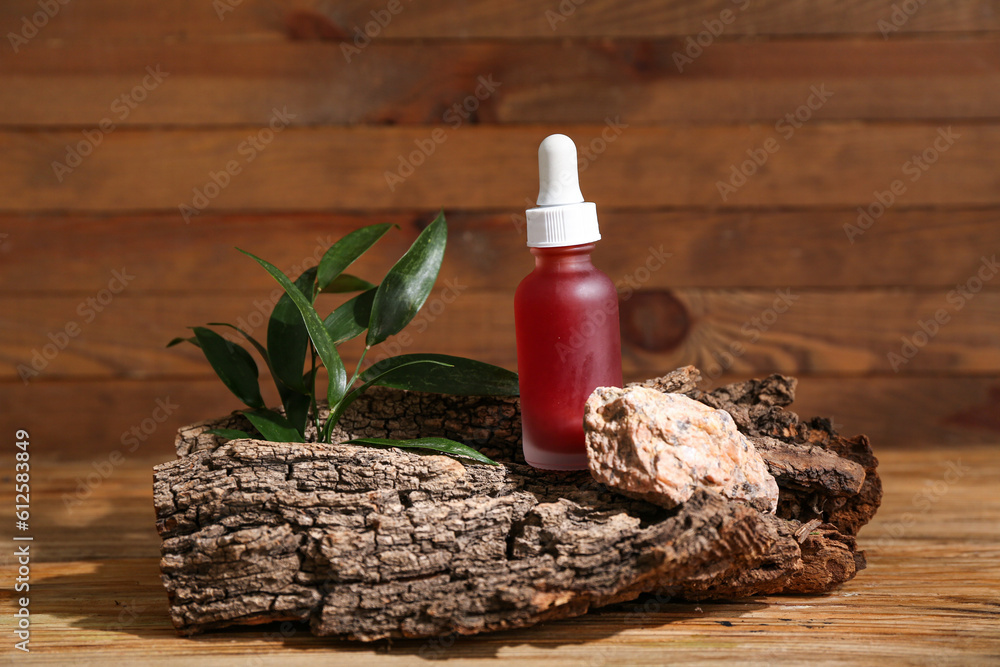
x,y
568,343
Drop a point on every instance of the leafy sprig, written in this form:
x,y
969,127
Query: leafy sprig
x,y
297,336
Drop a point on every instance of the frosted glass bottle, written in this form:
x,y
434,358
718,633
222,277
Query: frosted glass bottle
x,y
566,316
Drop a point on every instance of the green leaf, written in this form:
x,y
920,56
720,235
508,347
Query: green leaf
x,y
297,405
320,337
287,336
351,318
343,253
408,283
260,348
295,402
273,426
181,339
345,282
437,444
233,364
297,409
228,433
465,377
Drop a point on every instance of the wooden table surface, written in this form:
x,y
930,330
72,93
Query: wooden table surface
x,y
930,595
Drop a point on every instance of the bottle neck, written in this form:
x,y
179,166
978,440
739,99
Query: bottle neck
x,y
565,258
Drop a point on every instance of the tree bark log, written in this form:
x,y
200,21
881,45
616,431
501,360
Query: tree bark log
x,y
368,543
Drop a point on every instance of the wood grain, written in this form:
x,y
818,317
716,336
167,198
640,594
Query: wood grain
x,y
89,419
257,20
739,249
583,82
928,592
657,185
788,330
492,168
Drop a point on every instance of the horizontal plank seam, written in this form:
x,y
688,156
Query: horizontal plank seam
x,y
819,122
724,379
277,37
517,207
15,294
315,214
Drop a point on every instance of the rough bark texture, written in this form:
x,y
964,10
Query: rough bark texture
x,y
369,543
491,424
818,471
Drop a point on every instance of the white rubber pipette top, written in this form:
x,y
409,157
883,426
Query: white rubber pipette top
x,y
562,217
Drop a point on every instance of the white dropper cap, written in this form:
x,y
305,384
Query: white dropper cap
x,y
562,217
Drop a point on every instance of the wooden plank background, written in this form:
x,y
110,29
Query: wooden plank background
x,y
699,273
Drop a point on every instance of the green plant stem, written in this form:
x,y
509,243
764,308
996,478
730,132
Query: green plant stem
x,y
336,414
357,369
312,370
312,392
336,410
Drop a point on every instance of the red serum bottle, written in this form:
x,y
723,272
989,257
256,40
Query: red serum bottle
x,y
565,314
